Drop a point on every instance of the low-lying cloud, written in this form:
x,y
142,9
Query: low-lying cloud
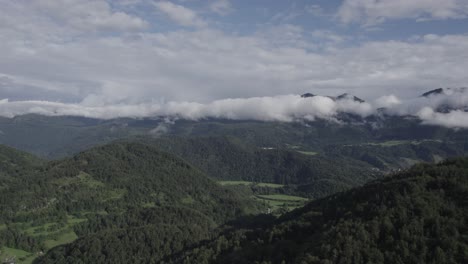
x,y
446,109
285,108
453,119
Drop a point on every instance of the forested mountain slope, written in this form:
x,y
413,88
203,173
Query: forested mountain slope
x,y
418,216
14,163
123,186
226,158
130,202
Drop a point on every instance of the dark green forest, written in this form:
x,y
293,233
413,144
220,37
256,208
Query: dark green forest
x,y
195,196
417,216
46,203
225,158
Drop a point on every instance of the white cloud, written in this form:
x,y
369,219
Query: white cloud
x,y
50,53
372,12
205,65
284,108
221,7
445,102
387,101
453,119
180,14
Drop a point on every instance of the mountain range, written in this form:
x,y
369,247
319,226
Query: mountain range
x,y
379,189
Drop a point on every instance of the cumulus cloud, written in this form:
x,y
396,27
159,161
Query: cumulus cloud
x,y
372,12
180,14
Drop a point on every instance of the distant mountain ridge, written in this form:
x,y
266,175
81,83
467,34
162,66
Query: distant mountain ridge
x,y
428,94
441,91
340,97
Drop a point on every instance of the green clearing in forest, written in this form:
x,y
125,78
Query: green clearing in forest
x,y
54,233
282,202
309,153
260,184
20,256
282,197
392,143
82,178
61,239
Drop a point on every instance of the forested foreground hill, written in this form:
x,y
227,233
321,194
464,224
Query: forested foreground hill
x,y
132,203
419,216
118,189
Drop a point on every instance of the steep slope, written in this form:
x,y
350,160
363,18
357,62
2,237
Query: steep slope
x,y
16,169
419,216
441,91
14,162
124,186
437,91
144,174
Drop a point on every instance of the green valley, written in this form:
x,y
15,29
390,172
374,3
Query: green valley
x,y
194,193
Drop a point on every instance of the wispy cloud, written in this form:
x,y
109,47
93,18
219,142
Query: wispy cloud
x,y
89,15
180,14
372,12
221,7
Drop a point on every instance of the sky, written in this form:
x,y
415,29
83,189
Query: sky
x,y
123,56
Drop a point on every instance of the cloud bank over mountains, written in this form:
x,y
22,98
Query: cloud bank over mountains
x,y
445,109
143,58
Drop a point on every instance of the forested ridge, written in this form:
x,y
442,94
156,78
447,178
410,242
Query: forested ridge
x,y
156,201
62,136
418,216
227,158
129,187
